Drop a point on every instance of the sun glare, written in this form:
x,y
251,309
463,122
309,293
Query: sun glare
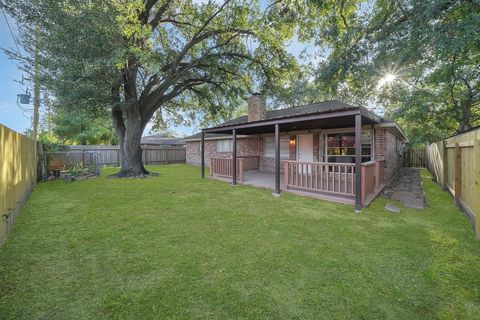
x,y
388,78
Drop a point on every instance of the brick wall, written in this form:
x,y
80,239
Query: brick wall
x,y
316,147
293,148
245,147
257,109
388,147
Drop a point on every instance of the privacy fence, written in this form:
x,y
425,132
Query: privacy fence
x,y
414,157
109,155
455,164
18,175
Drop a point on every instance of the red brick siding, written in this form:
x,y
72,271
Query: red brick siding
x,y
388,147
316,147
245,147
293,148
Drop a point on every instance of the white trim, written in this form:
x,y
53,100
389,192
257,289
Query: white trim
x,y
297,145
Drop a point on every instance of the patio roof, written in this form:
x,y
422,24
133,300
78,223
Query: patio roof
x,y
327,114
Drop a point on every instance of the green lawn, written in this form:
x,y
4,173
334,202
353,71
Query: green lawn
x,y
177,246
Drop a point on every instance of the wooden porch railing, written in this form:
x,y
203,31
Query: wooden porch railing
x,y
338,178
250,163
334,178
368,180
222,167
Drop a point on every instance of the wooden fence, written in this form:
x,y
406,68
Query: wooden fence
x,y
109,155
455,164
414,158
18,170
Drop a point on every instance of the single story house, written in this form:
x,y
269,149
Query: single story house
x,y
330,150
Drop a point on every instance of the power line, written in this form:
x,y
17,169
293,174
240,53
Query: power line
x,y
11,32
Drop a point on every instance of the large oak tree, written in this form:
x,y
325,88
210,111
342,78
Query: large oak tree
x,y
140,58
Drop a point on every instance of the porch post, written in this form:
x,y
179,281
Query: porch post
x,y
234,157
358,163
202,154
277,159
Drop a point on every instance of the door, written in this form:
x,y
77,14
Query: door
x,y
305,147
305,152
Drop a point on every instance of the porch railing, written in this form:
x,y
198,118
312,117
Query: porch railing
x,y
222,167
334,178
338,178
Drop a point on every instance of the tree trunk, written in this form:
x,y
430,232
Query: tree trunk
x,y
466,116
131,151
131,164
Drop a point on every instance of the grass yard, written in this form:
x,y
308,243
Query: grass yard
x,y
177,246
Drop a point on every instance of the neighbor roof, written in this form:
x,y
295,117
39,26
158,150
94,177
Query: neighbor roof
x,y
162,139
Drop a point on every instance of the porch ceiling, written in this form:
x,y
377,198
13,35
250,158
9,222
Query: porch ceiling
x,y
324,121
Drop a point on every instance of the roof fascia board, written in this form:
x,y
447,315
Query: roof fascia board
x,y
243,136
284,120
393,126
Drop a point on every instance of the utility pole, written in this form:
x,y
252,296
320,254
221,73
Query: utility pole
x,y
36,88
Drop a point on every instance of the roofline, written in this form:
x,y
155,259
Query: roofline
x,y
394,124
314,116
226,136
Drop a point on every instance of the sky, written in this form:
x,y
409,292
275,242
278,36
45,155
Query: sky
x,y
13,117
10,115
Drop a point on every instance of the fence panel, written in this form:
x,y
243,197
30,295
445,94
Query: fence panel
x,y
414,158
455,164
109,155
18,165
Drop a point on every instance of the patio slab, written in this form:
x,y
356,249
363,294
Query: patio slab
x,y
261,179
407,188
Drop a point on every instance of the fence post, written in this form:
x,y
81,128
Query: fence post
x,y
363,182
445,165
458,174
476,187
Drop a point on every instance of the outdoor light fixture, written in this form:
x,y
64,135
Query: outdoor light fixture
x,y
292,141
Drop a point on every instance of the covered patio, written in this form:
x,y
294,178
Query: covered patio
x,y
354,183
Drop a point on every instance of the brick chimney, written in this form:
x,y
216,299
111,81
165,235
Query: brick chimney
x,y
257,108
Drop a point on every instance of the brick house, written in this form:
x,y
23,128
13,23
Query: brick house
x,y
313,154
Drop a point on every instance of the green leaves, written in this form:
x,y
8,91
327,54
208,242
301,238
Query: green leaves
x,y
175,55
433,48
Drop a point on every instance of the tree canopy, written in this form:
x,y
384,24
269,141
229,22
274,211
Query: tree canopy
x,y
185,61
419,59
165,57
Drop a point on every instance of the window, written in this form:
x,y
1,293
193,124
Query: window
x,y
269,147
224,145
341,146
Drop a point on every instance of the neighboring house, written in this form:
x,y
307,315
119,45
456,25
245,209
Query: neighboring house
x,y
316,150
162,139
